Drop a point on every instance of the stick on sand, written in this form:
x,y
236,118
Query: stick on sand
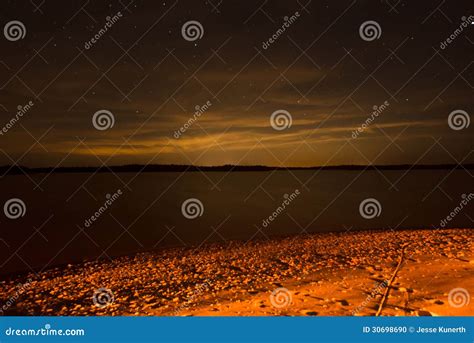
x,y
387,290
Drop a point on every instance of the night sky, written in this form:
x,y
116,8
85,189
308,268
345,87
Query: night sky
x,y
320,70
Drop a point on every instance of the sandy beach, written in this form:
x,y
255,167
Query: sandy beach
x,y
409,272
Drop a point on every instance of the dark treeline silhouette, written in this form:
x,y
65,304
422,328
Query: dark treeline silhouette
x,y
12,170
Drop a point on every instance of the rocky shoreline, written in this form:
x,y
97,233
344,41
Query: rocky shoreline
x,y
317,274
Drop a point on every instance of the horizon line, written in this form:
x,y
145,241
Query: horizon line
x,y
15,169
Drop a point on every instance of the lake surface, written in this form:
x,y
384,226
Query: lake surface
x,y
148,214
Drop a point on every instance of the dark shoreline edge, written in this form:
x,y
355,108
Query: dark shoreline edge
x,y
79,264
154,168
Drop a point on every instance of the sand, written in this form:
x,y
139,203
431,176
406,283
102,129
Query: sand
x,y
337,274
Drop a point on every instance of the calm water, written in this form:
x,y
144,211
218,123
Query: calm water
x,y
234,204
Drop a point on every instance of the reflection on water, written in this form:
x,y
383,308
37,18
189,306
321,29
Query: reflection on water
x,y
82,216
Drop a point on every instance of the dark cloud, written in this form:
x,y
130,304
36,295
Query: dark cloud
x,y
319,69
